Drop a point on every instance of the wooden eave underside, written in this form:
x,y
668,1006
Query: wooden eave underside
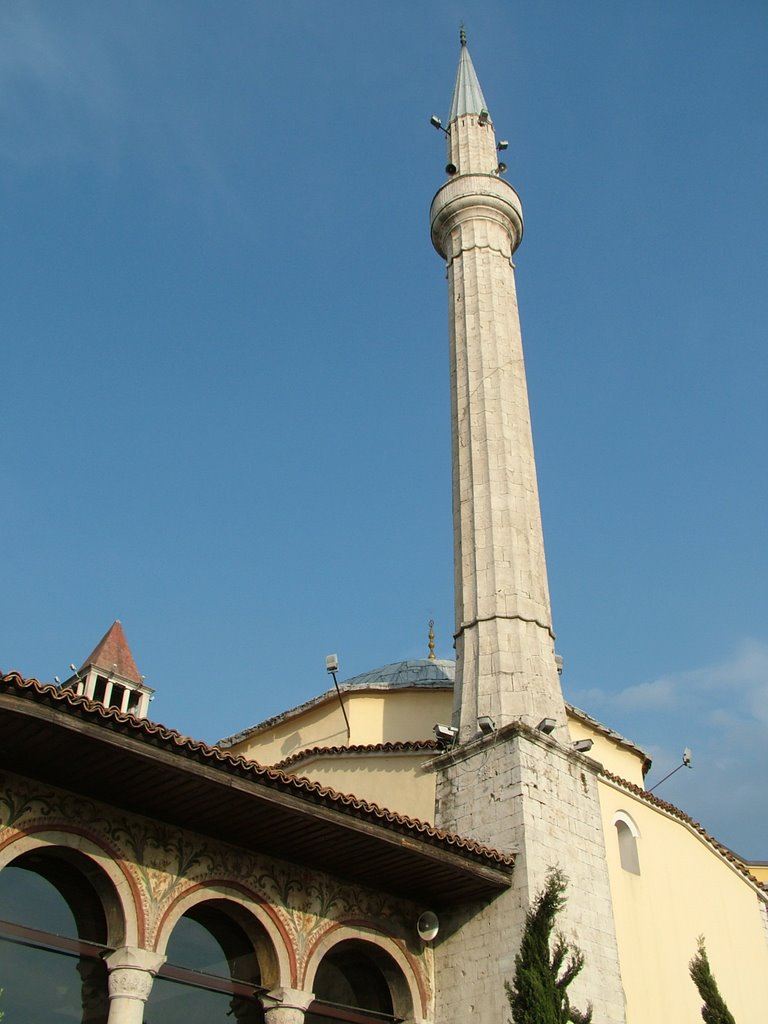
x,y
110,764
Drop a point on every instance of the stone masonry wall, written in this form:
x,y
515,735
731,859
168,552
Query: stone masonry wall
x,y
520,792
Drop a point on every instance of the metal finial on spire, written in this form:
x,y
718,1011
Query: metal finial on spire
x,y
431,656
462,35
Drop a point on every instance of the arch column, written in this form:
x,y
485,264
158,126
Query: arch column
x,y
285,1005
131,973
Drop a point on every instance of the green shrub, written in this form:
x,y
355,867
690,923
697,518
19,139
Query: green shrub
x,y
539,994
714,1010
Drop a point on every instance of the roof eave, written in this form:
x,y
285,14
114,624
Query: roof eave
x,y
74,744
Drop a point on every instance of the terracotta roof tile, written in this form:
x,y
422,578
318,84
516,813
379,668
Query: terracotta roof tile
x,y
113,653
399,746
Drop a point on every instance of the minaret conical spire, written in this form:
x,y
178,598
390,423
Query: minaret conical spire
x,y
467,95
470,136
505,658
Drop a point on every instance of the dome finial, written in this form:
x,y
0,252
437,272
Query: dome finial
x,y
431,655
462,35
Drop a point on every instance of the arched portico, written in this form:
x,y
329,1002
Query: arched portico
x,y
271,943
222,950
60,914
117,889
356,962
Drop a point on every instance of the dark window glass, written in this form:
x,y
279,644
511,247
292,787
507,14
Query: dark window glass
x,y
177,1002
350,979
42,890
46,985
54,972
211,974
206,939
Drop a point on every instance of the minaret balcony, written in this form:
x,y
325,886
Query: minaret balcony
x,y
469,197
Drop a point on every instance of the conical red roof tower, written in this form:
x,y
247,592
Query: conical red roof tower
x,y
113,654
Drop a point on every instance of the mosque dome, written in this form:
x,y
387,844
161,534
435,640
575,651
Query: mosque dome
x,y
433,673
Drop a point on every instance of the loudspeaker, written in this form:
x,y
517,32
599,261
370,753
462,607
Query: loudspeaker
x,y
427,926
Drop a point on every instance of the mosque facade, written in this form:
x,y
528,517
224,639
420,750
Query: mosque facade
x,y
371,854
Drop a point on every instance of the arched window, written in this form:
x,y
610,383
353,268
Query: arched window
x,y
357,982
53,930
627,835
212,971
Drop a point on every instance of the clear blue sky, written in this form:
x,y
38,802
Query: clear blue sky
x,y
224,352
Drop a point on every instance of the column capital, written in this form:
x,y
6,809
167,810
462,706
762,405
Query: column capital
x,y
131,972
286,1005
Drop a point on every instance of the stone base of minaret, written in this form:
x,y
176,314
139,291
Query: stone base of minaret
x,y
521,791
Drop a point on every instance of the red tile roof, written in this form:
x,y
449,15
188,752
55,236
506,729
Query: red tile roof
x,y
113,654
159,736
396,747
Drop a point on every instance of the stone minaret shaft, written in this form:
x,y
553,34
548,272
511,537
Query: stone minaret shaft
x,y
504,640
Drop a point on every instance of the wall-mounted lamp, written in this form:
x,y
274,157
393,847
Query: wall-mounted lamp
x,y
332,667
547,725
483,117
486,725
502,144
437,123
687,762
501,167
445,735
583,745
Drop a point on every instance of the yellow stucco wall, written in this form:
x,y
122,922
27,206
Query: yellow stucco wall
x,y
393,781
759,870
390,716
375,716
618,760
684,889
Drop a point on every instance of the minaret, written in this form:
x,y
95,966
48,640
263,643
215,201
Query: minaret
x,y
505,657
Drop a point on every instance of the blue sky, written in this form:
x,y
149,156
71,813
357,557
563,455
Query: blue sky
x,y
224,352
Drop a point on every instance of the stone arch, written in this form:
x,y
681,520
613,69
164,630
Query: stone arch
x,y
271,942
115,888
402,973
627,834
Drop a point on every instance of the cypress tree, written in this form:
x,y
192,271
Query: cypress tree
x,y
714,1010
542,975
